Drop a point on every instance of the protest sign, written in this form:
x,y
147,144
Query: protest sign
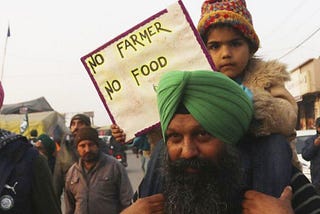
x,y
126,70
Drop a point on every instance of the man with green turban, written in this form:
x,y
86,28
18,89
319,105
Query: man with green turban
x,y
216,102
203,115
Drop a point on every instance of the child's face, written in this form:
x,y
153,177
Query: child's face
x,y
229,50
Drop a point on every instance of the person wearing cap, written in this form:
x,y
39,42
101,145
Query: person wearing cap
x,y
25,178
227,31
97,183
67,154
311,152
47,147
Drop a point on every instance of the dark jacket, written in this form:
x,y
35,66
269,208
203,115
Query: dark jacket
x,y
311,153
25,180
66,156
152,181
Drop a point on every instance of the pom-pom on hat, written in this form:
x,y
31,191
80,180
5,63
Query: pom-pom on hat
x,y
87,133
233,12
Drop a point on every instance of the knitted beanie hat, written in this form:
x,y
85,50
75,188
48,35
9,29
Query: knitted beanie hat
x,y
81,117
214,100
48,144
233,12
1,95
87,133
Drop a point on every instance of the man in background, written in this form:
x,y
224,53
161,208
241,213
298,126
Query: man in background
x,y
97,183
311,152
67,154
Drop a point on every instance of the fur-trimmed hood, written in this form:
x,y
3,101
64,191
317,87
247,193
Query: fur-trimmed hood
x,y
275,108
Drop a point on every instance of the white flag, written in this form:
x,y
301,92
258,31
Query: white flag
x,y
24,123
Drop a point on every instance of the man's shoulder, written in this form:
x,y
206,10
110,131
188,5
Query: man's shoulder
x,y
108,161
72,171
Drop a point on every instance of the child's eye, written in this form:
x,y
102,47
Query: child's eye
x,y
236,43
213,46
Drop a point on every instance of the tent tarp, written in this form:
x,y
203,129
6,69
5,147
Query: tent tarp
x,y
49,122
36,105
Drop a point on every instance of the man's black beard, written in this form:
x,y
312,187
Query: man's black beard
x,y
215,189
91,157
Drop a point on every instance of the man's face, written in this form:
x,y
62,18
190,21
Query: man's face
x,y
88,150
202,174
186,138
75,125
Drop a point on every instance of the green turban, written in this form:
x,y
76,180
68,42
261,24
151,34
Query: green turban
x,y
213,99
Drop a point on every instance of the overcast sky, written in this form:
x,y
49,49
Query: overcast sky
x,y
48,38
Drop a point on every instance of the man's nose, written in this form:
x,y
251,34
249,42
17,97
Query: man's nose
x,y
87,148
189,149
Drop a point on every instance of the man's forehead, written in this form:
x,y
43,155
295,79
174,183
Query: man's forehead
x,y
77,121
182,120
86,142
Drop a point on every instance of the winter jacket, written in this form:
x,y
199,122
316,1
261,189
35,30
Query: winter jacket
x,y
25,181
66,157
275,110
311,153
104,189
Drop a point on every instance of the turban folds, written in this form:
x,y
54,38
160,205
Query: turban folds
x,y
213,99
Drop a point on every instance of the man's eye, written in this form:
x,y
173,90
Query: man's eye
x,y
204,135
174,137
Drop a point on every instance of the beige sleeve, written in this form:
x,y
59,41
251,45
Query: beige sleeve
x,y
275,111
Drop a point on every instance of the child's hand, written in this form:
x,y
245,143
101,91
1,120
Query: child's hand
x,y
118,133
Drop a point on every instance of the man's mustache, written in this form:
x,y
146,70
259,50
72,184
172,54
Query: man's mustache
x,y
182,164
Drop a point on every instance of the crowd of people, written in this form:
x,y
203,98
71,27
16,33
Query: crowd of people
x,y
224,144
